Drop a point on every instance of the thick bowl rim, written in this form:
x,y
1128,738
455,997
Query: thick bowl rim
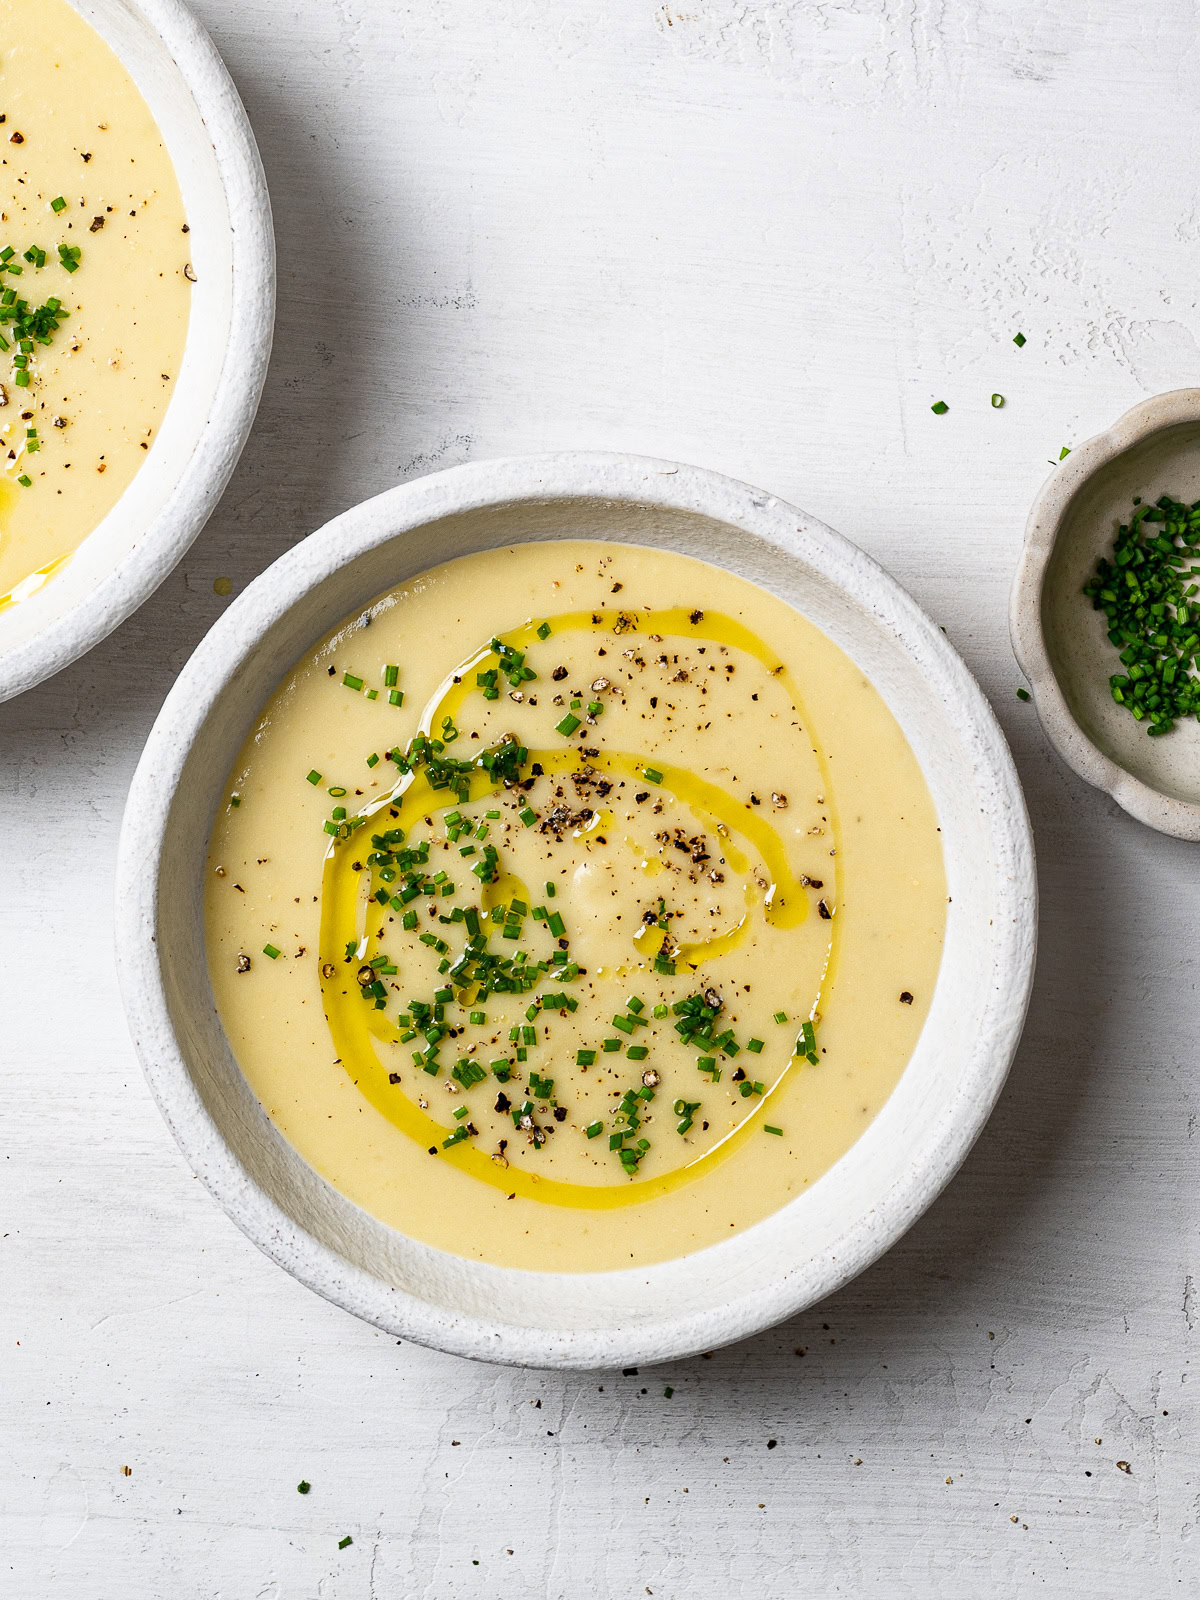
x,y
567,476
1166,813
166,538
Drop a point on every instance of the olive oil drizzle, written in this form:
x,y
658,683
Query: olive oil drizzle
x,y
30,584
349,918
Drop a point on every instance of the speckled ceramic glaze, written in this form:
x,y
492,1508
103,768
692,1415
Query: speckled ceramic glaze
x,y
802,1252
184,82
1062,644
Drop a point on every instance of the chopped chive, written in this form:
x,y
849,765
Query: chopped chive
x,y
336,791
1018,339
58,204
544,631
303,1486
551,891
781,1016
767,1128
1152,617
1022,694
342,1543
567,726
391,677
527,816
314,776
754,1045
24,480
939,408
997,401
351,682
270,950
594,1128
395,697
652,775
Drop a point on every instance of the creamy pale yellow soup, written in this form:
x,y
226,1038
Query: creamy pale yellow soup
x,y
574,906
94,292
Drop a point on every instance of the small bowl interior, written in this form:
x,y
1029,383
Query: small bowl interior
x,y
1166,461
815,1242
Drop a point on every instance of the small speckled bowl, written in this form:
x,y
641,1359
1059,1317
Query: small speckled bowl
x,y
819,1240
1061,642
232,249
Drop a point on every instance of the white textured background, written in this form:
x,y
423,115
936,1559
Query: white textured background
x,y
762,237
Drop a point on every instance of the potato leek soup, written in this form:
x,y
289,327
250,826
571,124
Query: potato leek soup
x,y
574,906
94,292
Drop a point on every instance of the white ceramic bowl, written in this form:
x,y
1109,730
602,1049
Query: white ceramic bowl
x,y
183,80
1061,643
782,1264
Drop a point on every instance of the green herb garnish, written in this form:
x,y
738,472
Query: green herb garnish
x,y
1153,620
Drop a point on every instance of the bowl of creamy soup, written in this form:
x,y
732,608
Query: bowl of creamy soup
x,y
575,910
136,308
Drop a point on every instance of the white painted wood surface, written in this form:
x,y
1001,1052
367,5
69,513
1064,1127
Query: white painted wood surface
x,y
764,237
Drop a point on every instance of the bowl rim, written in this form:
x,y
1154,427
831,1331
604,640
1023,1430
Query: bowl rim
x,y
1166,813
208,468
566,476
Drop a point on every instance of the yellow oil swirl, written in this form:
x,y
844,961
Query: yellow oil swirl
x,y
31,583
346,919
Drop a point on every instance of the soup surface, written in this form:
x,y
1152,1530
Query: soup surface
x,y
94,296
574,906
